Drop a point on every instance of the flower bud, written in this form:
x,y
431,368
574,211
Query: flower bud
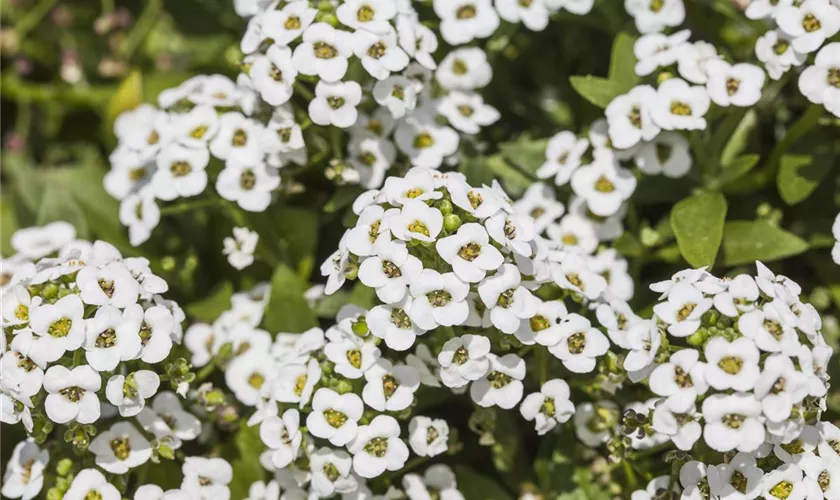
x,y
64,466
444,206
697,338
451,223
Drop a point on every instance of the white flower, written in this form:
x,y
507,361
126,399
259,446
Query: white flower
x,y
502,386
145,129
580,344
656,50
733,422
512,231
573,273
544,327
426,364
379,52
59,326
679,106
643,340
785,482
141,215
539,202
563,156
692,60
24,476
334,416
157,329
738,479
72,394
90,483
111,337
206,477
418,41
668,154
681,379
424,141
771,327
168,418
391,323
819,82
652,17
774,49
390,387
335,103
323,52
129,393
470,253
508,302
656,487
439,299
196,127
378,447
180,172
286,24
809,24
765,9
397,94
464,359
731,365
282,435
370,15
352,356
534,15
248,376
437,482
682,427
683,309
822,471
739,297
779,387
250,186
428,437
574,234
735,85
579,7
479,202
835,230
120,448
467,112
548,407
274,75
331,472
629,117
371,157
462,21
693,480
19,370
36,242
390,271
466,68
238,139
240,248
295,382
604,185
111,284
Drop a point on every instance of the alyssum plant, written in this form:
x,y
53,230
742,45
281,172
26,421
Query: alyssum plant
x,y
486,305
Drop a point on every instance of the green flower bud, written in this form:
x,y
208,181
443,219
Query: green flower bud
x,y
710,317
360,327
64,466
166,452
344,387
444,206
451,223
55,494
50,291
697,338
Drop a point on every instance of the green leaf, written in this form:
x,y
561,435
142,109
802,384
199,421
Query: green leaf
x,y
800,174
342,198
362,296
806,122
527,154
298,232
58,205
128,96
287,309
623,60
474,486
9,223
208,309
329,305
598,91
697,222
27,184
628,245
748,241
475,168
513,180
246,466
736,168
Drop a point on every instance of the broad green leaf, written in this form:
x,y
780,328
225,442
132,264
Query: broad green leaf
x,y
27,184
287,309
298,231
474,486
128,96
598,91
800,174
748,241
527,154
58,205
362,296
513,180
623,60
629,245
246,464
735,169
209,308
806,122
697,222
476,170
342,198
329,305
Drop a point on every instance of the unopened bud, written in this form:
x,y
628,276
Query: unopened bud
x,y
451,222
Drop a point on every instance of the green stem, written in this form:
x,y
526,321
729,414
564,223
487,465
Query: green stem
x,y
17,90
33,17
805,123
187,206
205,371
144,25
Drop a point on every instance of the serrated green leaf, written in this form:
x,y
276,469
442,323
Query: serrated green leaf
x,y
474,486
287,309
748,241
800,174
623,60
209,308
527,154
698,222
598,91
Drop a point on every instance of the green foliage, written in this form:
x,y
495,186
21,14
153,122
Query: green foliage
x,y
287,310
210,307
697,222
245,460
474,486
748,241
